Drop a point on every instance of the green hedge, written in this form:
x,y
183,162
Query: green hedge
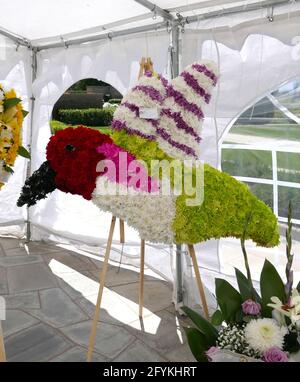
x,y
57,126
115,101
87,117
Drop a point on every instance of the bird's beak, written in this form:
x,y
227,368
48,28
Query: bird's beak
x,y
41,183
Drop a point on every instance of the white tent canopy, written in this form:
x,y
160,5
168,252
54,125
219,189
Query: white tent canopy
x,y
46,46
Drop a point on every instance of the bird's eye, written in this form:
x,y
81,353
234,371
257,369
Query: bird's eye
x,y
69,147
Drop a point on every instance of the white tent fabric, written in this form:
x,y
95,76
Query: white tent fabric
x,y
254,56
15,72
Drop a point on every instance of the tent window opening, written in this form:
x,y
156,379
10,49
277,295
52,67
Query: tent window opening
x,y
262,149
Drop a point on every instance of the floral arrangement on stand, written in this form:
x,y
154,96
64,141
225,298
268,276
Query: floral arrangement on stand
x,y
12,115
248,327
158,120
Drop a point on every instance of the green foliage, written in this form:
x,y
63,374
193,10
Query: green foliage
x,y
245,287
57,126
290,257
271,285
205,327
82,84
23,152
227,203
116,101
298,287
10,102
197,343
25,113
87,117
8,169
217,318
229,300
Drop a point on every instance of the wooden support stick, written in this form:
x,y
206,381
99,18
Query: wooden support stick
x,y
100,292
198,279
122,232
2,349
142,268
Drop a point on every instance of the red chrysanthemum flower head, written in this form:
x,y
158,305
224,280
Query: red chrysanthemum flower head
x,y
72,154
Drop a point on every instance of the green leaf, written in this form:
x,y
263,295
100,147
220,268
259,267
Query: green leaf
x,y
23,152
229,300
245,287
8,169
25,112
10,102
205,327
298,287
197,343
217,318
271,285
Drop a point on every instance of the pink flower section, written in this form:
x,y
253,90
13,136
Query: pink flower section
x,y
123,168
251,307
212,351
275,354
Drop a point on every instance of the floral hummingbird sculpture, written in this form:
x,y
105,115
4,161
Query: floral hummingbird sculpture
x,y
157,124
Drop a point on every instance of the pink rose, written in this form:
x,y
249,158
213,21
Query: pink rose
x,y
275,354
251,308
211,351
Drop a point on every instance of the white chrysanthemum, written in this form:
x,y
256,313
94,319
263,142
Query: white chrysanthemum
x,y
264,333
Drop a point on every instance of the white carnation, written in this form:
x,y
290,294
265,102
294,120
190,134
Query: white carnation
x,y
264,333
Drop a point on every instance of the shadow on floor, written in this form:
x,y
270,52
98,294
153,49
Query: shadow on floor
x,y
51,294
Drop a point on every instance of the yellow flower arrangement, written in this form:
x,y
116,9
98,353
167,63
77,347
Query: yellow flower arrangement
x,y
11,119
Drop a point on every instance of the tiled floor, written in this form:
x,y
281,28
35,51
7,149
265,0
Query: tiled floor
x,y
50,296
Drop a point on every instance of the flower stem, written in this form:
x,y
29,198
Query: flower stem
x,y
243,239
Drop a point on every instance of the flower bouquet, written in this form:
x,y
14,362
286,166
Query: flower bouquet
x,y
247,326
11,120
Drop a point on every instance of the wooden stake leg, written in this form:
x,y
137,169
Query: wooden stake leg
x,y
122,232
100,292
2,349
199,281
142,268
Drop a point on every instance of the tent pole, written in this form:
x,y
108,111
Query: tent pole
x,y
32,99
235,10
174,51
99,37
19,40
155,9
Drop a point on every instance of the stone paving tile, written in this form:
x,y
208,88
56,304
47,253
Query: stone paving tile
x,y
17,320
41,248
157,295
161,331
139,352
19,260
39,343
3,282
77,354
16,252
180,354
8,243
67,261
74,277
77,284
27,300
112,305
124,276
29,278
57,309
110,340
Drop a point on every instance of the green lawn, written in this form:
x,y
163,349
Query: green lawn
x,y
57,125
286,131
